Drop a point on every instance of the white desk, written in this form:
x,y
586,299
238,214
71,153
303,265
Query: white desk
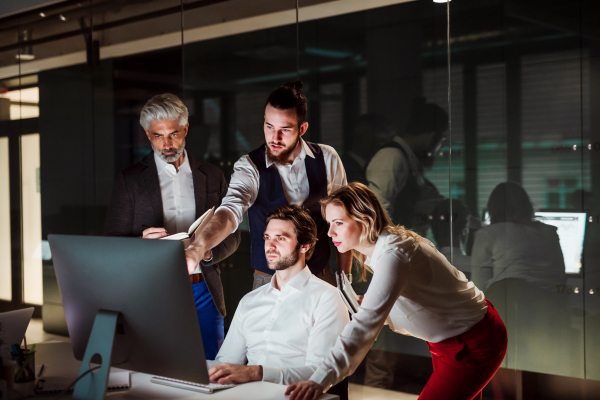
x,y
59,361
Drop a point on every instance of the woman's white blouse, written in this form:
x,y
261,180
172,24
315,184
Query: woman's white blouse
x,y
416,291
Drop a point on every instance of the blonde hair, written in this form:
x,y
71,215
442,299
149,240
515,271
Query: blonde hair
x,y
363,206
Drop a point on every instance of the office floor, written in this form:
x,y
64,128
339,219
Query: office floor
x,y
35,334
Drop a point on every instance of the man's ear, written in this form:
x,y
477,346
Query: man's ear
x,y
304,248
303,128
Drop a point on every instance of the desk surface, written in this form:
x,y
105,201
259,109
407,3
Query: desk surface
x,y
59,361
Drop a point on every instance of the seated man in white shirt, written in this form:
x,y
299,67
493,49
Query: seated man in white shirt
x,y
281,331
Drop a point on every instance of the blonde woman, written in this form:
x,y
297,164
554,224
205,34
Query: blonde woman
x,y
417,292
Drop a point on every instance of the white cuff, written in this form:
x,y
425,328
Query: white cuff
x,y
271,374
323,377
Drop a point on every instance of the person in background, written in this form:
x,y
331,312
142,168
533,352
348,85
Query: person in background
x,y
164,194
515,245
518,262
441,228
281,331
285,170
417,292
369,133
396,172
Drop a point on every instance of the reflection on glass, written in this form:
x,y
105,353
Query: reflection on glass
x,y
5,267
571,231
22,103
31,218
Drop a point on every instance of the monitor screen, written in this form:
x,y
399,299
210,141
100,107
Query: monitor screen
x,y
571,232
147,282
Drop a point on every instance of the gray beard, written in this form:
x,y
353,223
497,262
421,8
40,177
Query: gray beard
x,y
285,262
169,159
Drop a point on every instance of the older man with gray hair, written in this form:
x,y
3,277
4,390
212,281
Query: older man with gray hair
x,y
164,194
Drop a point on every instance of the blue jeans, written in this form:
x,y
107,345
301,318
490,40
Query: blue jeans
x,y
211,322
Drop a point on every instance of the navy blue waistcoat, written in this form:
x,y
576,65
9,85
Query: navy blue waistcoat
x,y
271,195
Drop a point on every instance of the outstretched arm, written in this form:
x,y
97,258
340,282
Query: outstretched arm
x,y
230,243
220,226
235,200
359,335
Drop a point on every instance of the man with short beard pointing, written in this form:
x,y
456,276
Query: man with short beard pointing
x,y
285,170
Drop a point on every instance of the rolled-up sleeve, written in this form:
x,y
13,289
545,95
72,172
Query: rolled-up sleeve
x,y
360,334
243,189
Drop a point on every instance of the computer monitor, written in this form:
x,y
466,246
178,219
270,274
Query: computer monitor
x,y
571,233
147,283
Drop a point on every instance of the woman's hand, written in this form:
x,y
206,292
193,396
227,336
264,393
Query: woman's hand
x,y
306,390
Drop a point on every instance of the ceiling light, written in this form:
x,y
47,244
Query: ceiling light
x,y
25,57
62,17
42,15
441,1
25,52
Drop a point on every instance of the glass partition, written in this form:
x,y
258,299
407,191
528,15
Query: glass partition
x,y
31,215
5,259
520,162
590,11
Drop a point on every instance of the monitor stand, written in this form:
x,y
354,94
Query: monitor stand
x,y
93,385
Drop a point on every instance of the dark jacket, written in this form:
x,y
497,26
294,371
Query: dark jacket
x,y
136,203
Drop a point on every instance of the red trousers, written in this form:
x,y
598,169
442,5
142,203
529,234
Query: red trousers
x,y
464,364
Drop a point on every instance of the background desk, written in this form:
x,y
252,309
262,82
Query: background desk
x,y
59,361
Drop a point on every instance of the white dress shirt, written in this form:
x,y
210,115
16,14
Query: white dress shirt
x,y
288,332
416,291
178,199
461,261
245,181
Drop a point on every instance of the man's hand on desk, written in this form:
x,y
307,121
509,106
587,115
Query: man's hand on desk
x,y
305,390
234,373
154,233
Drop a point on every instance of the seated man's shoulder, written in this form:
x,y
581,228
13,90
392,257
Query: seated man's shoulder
x,y
256,293
326,299
321,286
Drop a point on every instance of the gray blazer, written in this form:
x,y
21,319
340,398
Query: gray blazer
x,y
137,202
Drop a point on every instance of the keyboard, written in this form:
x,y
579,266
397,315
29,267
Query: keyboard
x,y
196,387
